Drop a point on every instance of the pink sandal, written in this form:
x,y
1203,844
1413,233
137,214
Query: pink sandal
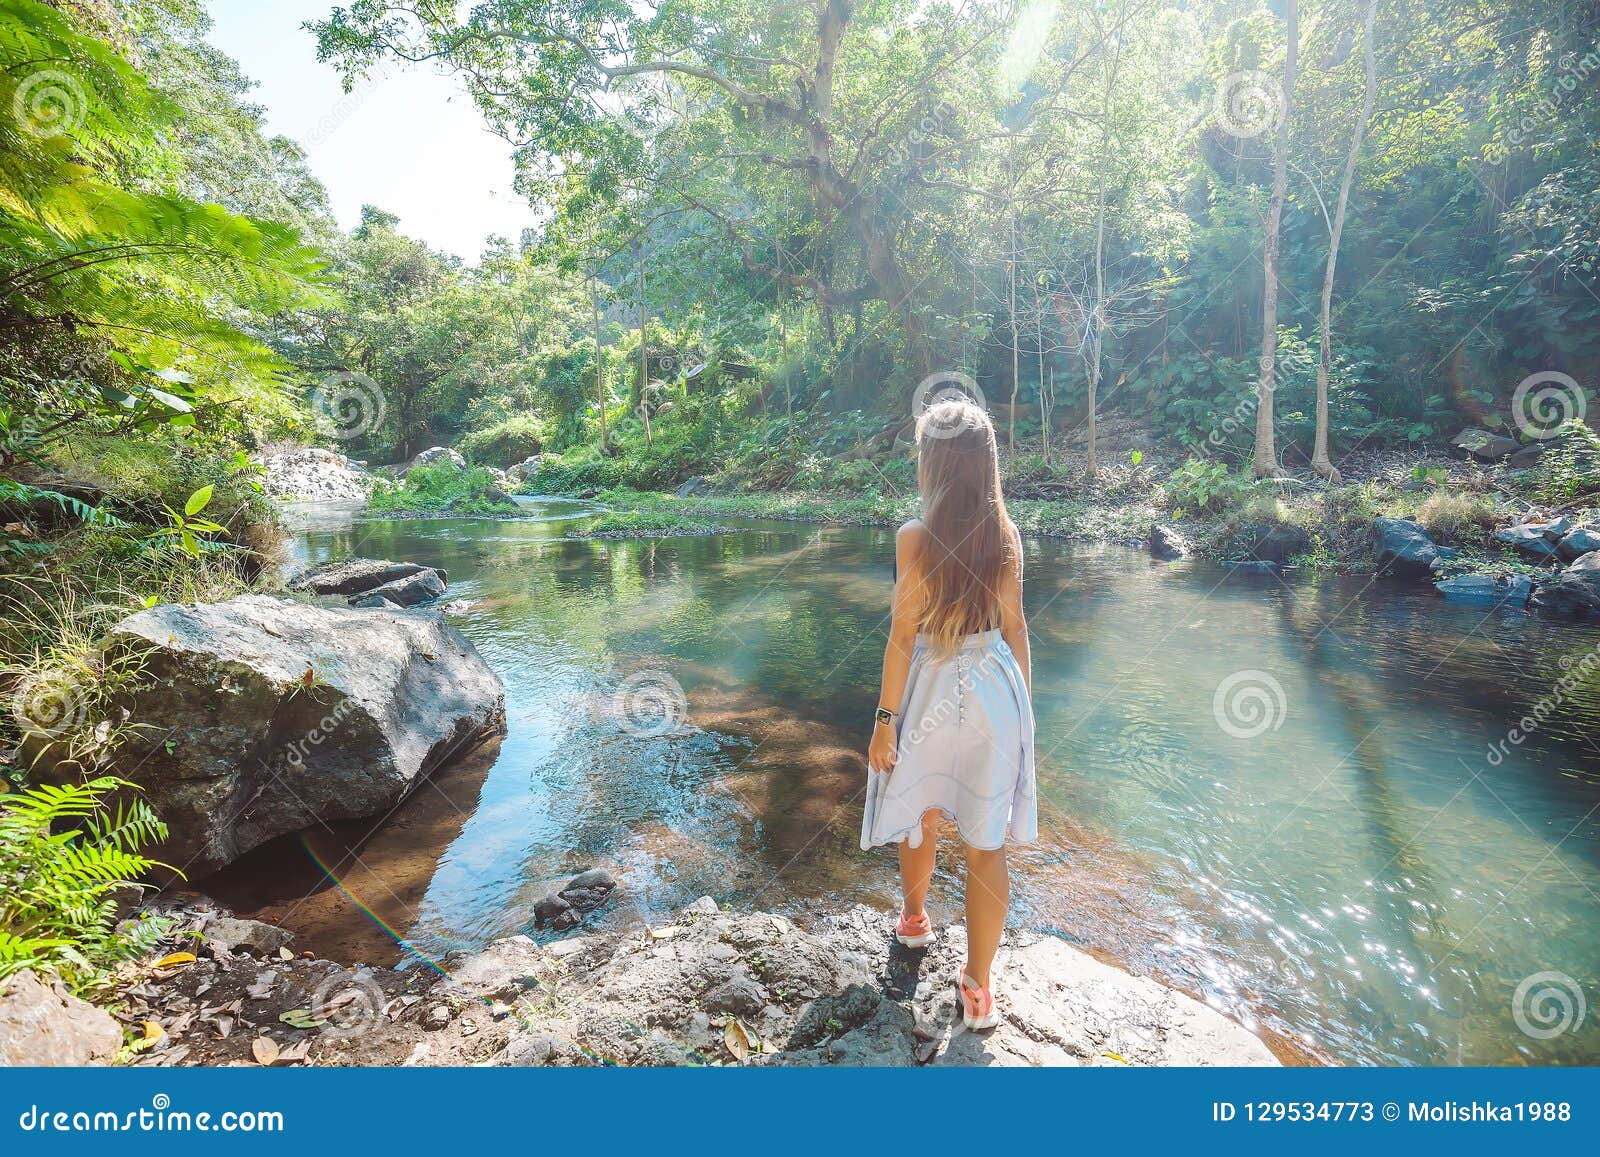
x,y
913,931
977,1004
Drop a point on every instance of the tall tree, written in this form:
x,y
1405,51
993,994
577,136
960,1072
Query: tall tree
x,y
1265,460
1320,462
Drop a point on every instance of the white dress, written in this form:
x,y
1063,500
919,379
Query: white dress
x,y
965,748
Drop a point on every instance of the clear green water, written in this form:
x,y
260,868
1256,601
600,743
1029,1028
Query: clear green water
x,y
1360,876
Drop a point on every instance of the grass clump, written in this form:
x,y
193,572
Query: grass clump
x,y
443,488
1459,517
658,523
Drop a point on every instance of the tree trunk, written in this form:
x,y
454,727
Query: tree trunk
x,y
599,362
1320,462
1016,337
1265,461
644,352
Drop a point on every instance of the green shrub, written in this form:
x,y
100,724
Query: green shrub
x,y
443,488
66,856
1570,467
507,442
1201,485
1459,517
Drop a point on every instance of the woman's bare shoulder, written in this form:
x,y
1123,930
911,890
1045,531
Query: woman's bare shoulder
x,y
911,531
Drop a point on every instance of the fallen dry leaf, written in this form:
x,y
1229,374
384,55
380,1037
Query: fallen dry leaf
x,y
174,959
265,1050
739,1039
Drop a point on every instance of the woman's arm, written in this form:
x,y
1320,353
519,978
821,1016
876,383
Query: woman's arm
x,y
882,753
1013,626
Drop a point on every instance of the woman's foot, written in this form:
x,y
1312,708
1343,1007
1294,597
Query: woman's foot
x,y
913,931
977,1004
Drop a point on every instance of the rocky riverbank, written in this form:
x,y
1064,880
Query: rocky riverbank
x,y
705,988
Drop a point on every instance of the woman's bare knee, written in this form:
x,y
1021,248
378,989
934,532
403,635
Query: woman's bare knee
x,y
984,857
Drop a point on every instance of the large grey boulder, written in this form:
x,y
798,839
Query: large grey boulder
x,y
1575,592
1403,547
262,716
434,456
43,1024
356,576
1530,538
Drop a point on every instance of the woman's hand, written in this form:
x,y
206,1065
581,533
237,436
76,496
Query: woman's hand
x,y
881,752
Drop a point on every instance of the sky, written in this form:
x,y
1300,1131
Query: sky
x,y
409,141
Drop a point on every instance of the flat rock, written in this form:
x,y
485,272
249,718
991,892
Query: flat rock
x,y
43,1024
843,993
1484,446
1512,589
355,576
263,716
1529,537
231,934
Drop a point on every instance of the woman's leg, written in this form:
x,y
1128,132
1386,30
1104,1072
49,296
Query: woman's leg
x,y
988,900
916,865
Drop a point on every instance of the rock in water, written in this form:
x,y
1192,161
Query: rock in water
x,y
1512,589
263,716
1167,543
1574,592
42,1024
357,576
1403,546
422,587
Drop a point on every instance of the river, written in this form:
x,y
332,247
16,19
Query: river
x,y
1295,798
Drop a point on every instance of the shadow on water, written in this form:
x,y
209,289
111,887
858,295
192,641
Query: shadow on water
x,y
1356,877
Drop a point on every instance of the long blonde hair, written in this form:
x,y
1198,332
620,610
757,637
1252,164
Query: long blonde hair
x,y
971,538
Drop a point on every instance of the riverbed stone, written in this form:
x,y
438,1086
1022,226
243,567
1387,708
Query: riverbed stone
x,y
1167,543
434,456
1484,446
1403,546
229,934
1579,541
1574,593
355,576
262,716
1511,589
414,589
1528,537
42,1024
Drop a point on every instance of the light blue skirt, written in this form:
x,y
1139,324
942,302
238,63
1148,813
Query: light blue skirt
x,y
966,750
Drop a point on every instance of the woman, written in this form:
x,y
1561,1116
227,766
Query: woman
x,y
953,734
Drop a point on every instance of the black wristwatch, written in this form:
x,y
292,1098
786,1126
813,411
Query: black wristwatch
x,y
884,715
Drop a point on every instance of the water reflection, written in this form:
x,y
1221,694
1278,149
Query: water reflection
x,y
1359,876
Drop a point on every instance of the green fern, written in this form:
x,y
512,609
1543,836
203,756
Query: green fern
x,y
67,854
